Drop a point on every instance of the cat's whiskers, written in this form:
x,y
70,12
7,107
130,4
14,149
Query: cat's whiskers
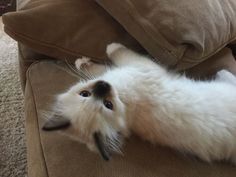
x,y
46,114
115,145
114,142
81,72
72,68
107,67
91,76
76,71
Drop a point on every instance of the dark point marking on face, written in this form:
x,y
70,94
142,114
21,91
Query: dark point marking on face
x,y
100,144
101,89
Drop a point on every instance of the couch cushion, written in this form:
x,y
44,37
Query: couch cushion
x,y
52,154
66,29
208,68
180,33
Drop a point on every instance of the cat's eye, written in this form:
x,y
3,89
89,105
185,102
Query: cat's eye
x,y
108,104
85,93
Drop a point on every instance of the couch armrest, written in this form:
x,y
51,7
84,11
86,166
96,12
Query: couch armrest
x,y
26,57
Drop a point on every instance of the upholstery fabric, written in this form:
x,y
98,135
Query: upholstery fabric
x,y
208,68
179,33
66,29
53,154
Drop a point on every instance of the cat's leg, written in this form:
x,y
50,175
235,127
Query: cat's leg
x,y
122,56
89,68
82,62
226,76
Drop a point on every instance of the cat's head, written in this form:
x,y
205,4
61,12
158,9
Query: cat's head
x,y
95,112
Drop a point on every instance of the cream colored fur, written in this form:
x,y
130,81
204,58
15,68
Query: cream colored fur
x,y
159,106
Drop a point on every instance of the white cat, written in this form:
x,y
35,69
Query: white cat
x,y
140,96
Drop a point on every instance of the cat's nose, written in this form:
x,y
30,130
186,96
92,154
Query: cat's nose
x,y
101,89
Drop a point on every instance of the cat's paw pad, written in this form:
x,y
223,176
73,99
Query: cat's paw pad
x,y
82,62
113,47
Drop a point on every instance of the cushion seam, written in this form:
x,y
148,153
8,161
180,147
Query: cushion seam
x,y
188,59
35,107
221,46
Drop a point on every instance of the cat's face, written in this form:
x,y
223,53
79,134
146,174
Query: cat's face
x,y
97,114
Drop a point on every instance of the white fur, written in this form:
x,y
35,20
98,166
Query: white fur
x,y
82,61
162,107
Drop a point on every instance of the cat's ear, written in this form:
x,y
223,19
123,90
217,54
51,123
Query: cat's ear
x,y
101,145
56,123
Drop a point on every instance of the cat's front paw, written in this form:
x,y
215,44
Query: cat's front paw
x,y
82,62
113,47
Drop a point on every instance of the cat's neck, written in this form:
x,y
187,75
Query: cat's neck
x,y
136,89
141,118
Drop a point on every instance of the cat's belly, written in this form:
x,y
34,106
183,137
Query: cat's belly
x,y
205,127
208,141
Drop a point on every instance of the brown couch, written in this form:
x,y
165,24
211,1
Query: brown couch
x,y
55,155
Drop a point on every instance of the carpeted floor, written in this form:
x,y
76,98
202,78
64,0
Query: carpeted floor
x,y
12,130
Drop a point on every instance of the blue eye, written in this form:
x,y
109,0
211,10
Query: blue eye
x,y
85,93
108,104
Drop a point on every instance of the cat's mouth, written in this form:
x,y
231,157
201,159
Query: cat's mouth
x,y
106,145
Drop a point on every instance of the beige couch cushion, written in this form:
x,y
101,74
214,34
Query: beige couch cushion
x,y
208,68
52,154
66,29
180,33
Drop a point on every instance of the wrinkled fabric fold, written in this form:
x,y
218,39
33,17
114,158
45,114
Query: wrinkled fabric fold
x,y
65,29
179,33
